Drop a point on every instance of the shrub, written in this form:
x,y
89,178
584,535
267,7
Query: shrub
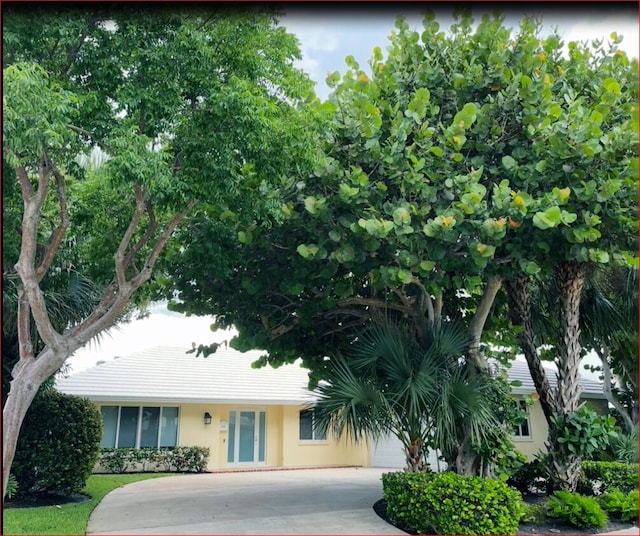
x,y
533,513
117,460
620,504
179,459
530,477
447,503
600,477
58,445
190,459
578,510
625,447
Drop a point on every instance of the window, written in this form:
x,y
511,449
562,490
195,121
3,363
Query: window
x,y
522,429
307,427
139,427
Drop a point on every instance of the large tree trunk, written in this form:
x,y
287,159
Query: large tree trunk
x,y
31,371
518,294
570,277
28,375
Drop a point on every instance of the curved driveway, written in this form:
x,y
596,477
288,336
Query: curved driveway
x,y
304,501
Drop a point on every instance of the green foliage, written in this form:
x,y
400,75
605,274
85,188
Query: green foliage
x,y
601,477
625,447
582,433
497,450
578,510
58,445
530,477
620,504
12,486
533,513
180,459
446,503
419,390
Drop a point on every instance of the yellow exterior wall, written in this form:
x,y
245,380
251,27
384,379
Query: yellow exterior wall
x,y
283,447
297,453
538,429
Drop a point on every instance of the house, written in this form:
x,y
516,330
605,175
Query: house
x,y
163,397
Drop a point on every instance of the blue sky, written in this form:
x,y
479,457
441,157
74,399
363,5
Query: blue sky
x,y
330,32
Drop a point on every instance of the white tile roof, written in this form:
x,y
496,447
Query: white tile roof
x,y
520,371
169,375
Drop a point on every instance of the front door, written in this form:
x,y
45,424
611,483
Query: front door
x,y
246,437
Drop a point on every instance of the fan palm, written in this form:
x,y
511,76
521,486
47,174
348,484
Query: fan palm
x,y
420,390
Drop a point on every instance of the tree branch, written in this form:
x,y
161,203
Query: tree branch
x,y
25,267
120,255
52,245
479,319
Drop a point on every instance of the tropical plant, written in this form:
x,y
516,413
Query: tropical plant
x,y
576,509
421,391
198,111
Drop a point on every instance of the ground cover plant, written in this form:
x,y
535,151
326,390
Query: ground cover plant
x,y
69,517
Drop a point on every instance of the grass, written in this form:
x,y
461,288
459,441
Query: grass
x,y
69,518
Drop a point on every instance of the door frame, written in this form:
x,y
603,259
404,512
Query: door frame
x,y
258,440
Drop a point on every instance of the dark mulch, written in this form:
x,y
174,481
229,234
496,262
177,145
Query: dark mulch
x,y
44,499
549,527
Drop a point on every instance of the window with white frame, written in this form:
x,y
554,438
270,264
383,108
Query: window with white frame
x,y
139,426
308,431
523,429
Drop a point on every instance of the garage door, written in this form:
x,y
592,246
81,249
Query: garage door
x,y
388,452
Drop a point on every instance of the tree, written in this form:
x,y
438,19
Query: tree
x,y
419,391
583,211
458,162
197,110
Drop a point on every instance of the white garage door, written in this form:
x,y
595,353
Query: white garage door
x,y
388,452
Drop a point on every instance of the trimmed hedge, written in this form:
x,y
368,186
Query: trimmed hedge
x,y
600,477
58,445
447,503
177,459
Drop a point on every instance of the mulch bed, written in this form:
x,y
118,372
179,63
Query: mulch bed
x,y
551,526
44,499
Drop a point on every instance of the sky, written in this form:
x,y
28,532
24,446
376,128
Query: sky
x,y
327,34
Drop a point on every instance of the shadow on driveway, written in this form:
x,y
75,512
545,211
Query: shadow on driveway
x,y
304,501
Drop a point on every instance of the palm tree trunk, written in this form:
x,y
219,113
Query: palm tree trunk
x,y
570,278
519,297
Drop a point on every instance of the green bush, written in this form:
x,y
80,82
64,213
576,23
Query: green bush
x,y
58,445
530,477
578,510
447,503
117,460
176,459
620,504
599,477
533,513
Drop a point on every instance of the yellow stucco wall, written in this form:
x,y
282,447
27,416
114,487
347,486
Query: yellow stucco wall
x,y
538,429
283,447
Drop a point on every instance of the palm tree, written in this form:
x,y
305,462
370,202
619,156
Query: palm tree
x,y
420,390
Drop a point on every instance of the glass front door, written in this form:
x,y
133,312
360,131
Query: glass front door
x,y
246,437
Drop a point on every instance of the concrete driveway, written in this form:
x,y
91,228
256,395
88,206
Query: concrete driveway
x,y
305,501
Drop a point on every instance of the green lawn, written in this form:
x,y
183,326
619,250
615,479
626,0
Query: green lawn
x,y
67,518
